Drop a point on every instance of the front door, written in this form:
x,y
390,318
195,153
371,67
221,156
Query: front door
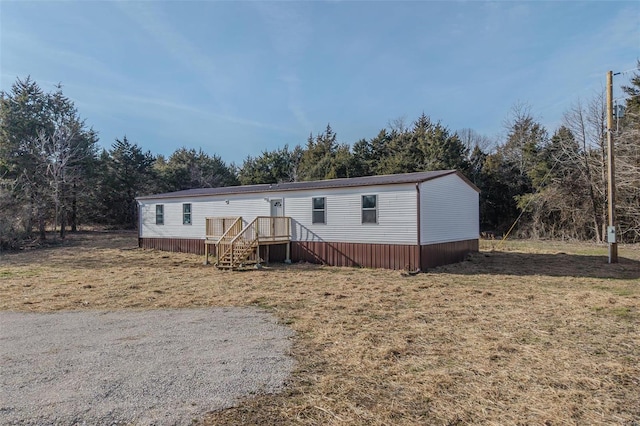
x,y
278,226
277,208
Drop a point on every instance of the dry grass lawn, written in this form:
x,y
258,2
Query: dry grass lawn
x,y
525,333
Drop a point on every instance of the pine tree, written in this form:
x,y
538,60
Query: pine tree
x,y
127,172
188,168
280,165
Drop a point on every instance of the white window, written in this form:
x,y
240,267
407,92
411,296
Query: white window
x,y
186,214
318,210
159,214
369,209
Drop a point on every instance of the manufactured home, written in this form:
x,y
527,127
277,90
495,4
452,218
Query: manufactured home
x,y
404,221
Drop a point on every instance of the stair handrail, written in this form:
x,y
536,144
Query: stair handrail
x,y
240,234
231,232
245,229
254,228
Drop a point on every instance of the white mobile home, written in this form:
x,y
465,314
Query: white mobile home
x,y
403,221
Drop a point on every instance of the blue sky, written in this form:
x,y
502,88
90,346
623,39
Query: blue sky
x,y
237,78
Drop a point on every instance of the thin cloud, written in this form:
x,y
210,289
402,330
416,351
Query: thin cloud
x,y
145,15
612,40
21,43
289,31
165,104
209,74
293,82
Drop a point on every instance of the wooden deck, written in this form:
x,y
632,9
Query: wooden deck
x,y
237,244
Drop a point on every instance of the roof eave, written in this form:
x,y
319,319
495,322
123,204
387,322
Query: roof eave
x,y
326,185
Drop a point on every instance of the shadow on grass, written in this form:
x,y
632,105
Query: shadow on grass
x,y
554,265
86,250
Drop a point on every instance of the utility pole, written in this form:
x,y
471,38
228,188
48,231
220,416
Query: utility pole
x,y
611,185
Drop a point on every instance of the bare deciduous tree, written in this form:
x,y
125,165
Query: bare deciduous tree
x,y
586,124
472,139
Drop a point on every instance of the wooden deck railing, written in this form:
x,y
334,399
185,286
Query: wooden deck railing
x,y
216,227
273,228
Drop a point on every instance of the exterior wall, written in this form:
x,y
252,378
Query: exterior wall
x,y
389,256
433,255
397,218
180,245
449,211
273,252
448,227
239,205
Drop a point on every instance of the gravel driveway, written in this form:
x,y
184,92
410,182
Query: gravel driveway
x,y
160,367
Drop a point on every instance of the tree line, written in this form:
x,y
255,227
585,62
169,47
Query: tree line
x,y
54,176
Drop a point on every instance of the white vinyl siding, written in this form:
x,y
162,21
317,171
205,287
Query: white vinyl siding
x,y
449,210
246,206
396,214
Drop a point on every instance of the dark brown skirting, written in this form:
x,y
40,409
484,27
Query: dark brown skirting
x,y
433,255
388,256
181,245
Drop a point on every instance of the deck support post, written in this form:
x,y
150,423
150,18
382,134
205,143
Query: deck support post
x,y
206,253
288,258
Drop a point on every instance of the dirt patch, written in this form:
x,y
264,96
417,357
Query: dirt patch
x,y
532,333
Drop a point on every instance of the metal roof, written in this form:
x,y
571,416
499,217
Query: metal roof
x,y
316,184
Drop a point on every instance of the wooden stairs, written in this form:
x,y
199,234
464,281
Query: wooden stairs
x,y
232,256
239,246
